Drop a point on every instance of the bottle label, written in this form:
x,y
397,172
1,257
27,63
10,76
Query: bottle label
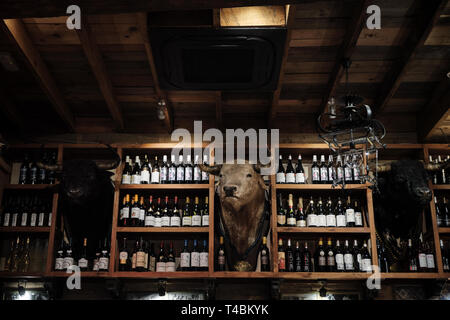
x,y
33,220
172,174
315,172
187,221
197,174
158,222
205,176
146,261
195,259
301,223
126,179
358,219
323,174
196,221
180,174
14,219
205,220
125,212
68,261
145,176
142,214
221,258
41,219
165,221
175,221
135,213
23,222
149,221
152,266
163,174
291,222
6,219
340,173
322,260
355,174
281,177
59,263
340,220
348,261
188,174
123,257
170,266
430,261
155,177
160,266
340,261
204,259
300,177
331,174
281,219
103,263
350,215
311,220
140,259
281,261
83,263
95,266
348,174
366,265
331,261
321,220
290,177
136,179
331,220
185,259
50,219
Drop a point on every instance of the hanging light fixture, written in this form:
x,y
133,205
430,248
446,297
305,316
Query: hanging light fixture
x,y
161,110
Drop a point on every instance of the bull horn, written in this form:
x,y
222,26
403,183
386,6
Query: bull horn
x,y
109,164
257,167
214,170
50,167
384,167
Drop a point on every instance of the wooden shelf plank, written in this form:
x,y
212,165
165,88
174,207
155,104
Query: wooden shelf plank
x,y
322,230
238,274
444,230
24,275
163,229
90,274
25,229
29,186
318,187
323,275
163,186
159,275
440,186
412,275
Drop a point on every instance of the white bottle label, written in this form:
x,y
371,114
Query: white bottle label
x,y
204,259
23,223
281,177
155,177
205,176
123,257
136,179
175,221
68,261
205,220
291,221
340,173
95,265
170,266
145,176
185,259
195,259
103,263
290,177
301,223
188,174
315,172
348,260
197,174
340,220
158,222
350,215
135,213
149,221
165,221
324,174
180,174
142,214
366,265
33,220
163,174
126,179
50,219
187,221
125,212
300,178
348,174
14,219
82,263
430,261
321,220
196,221
340,261
331,220
6,220
59,263
311,220
422,260
41,219
160,267
172,174
358,219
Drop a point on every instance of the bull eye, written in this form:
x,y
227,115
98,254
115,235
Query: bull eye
x,y
249,175
220,175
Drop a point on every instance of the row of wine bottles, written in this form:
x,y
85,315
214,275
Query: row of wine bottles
x,y
445,252
27,211
30,173
147,172
140,212
441,176
442,212
320,214
19,257
348,171
329,258
65,257
143,257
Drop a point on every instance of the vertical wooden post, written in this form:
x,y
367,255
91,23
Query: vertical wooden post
x,y
437,247
51,238
273,192
115,212
373,236
211,218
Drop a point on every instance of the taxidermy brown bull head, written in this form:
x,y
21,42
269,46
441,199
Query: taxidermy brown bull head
x,y
241,191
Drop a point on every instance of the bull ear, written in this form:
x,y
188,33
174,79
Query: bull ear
x,y
109,164
384,167
214,170
258,167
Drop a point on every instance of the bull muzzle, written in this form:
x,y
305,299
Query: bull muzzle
x,y
229,191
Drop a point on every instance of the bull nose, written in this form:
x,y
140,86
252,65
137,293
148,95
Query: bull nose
x,y
229,190
423,192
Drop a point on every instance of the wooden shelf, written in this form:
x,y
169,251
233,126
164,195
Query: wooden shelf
x,y
163,230
90,274
444,230
318,186
25,229
323,275
238,274
322,230
29,186
23,275
161,275
162,186
412,275
440,186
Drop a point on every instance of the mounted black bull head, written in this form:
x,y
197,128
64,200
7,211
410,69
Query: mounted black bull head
x,y
86,197
402,196
243,218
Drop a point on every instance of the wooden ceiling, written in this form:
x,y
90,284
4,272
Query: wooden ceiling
x,y
100,79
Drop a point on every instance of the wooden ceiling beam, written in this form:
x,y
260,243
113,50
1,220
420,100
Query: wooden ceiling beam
x,y
428,13
98,67
276,94
56,8
143,29
345,51
435,112
16,31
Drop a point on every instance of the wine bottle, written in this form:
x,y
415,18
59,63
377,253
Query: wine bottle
x,y
175,220
330,216
264,256
291,220
422,257
155,172
412,259
172,171
165,216
180,170
349,214
340,215
196,216
204,257
197,173
339,256
205,175
290,264
24,170
68,258
83,261
297,257
348,258
339,169
366,260
187,218
136,173
300,171
281,214
281,173
164,171
348,171
290,173
161,261
323,170
170,263
301,217
321,217
221,259
205,213
145,171
188,170
331,259
103,261
59,261
185,257
123,257
315,171
158,214
127,171
311,216
281,257
306,259
195,257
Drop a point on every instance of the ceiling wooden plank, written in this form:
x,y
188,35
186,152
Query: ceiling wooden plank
x,y
56,8
276,94
428,13
345,51
98,67
143,29
17,32
10,111
435,112
219,112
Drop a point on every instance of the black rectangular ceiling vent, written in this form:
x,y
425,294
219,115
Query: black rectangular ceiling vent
x,y
218,59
